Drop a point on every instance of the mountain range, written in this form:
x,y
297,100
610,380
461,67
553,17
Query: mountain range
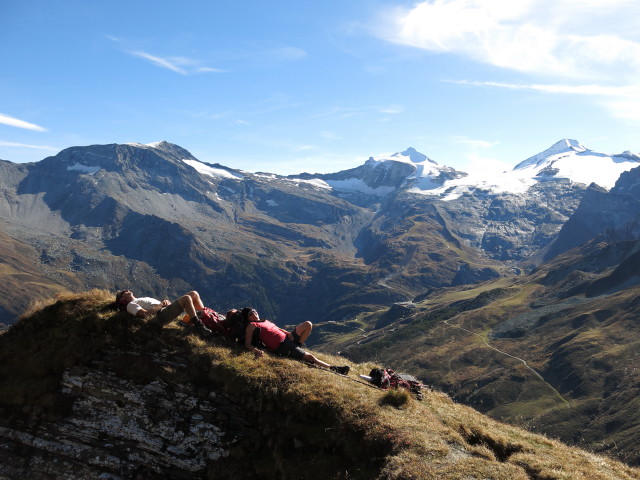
x,y
154,218
398,254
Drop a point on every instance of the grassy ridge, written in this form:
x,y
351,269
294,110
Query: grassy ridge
x,y
349,429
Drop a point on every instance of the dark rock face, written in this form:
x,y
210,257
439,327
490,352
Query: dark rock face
x,y
513,227
121,428
614,213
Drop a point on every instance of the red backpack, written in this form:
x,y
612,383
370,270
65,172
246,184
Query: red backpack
x,y
213,320
386,378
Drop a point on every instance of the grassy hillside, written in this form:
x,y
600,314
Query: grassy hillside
x,y
535,351
21,281
348,429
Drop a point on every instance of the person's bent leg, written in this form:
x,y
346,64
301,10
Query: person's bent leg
x,y
186,302
302,332
195,298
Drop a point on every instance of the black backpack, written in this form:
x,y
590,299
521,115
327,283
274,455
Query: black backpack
x,y
236,325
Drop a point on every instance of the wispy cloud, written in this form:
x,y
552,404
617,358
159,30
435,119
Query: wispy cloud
x,y
620,101
24,145
327,135
476,144
348,112
15,122
288,53
627,91
576,39
301,148
392,109
181,65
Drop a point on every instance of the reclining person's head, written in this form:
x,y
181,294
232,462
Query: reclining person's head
x,y
123,298
250,314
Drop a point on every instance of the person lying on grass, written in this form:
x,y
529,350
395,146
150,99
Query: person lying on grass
x,y
281,342
164,310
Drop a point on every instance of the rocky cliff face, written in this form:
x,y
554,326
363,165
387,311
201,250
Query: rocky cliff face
x,y
613,213
121,428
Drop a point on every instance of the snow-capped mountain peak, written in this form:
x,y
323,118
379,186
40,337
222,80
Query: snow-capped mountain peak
x,y
568,159
413,155
561,148
383,175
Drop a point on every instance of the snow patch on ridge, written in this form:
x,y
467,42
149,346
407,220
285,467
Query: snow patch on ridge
x,y
315,182
211,171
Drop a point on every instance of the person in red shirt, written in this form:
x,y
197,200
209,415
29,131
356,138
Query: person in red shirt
x,y
281,342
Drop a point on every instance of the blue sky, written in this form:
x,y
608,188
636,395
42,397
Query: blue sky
x,y
287,86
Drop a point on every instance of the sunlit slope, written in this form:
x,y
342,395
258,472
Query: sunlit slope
x,y
348,429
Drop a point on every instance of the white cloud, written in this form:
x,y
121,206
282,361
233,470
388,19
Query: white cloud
x,y
181,65
289,53
629,91
327,135
392,109
14,122
469,142
570,38
620,101
24,145
625,109
301,148
160,62
348,112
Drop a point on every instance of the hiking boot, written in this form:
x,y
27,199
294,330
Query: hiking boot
x,y
344,370
200,328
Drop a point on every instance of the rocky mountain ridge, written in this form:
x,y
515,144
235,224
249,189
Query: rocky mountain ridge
x,y
155,217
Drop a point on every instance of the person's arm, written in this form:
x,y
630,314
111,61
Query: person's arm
x,y
153,310
134,309
248,337
142,313
287,333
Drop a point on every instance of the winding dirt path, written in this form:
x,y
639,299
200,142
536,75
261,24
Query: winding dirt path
x,y
521,360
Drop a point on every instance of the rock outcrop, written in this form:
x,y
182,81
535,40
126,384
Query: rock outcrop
x,y
118,428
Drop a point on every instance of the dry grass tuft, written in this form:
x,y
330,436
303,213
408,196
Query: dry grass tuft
x,y
396,398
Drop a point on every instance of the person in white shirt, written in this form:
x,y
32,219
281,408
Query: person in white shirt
x,y
164,310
